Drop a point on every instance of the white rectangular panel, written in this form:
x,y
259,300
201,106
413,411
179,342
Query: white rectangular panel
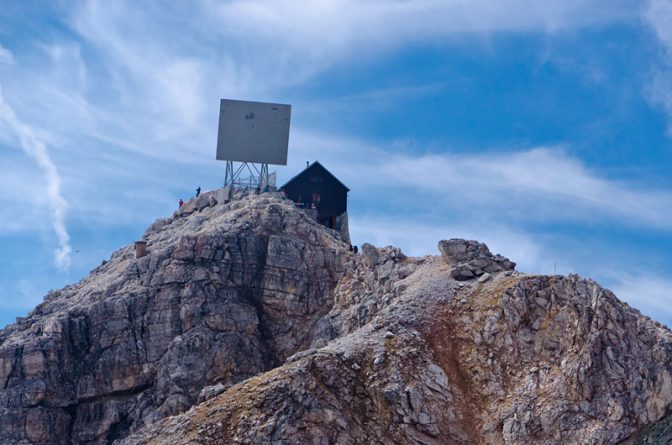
x,y
253,132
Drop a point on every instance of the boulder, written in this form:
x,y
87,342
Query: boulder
x,y
471,259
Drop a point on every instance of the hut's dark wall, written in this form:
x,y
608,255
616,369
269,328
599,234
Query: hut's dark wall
x,y
316,185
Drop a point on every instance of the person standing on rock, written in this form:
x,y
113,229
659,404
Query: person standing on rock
x,y
198,191
180,204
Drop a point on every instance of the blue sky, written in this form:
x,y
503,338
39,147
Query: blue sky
x,y
541,128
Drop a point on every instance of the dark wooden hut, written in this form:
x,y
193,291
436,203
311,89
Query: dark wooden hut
x,y
315,187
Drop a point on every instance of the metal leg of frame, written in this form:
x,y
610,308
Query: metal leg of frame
x,y
228,178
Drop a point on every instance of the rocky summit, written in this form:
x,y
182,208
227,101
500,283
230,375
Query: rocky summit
x,y
247,322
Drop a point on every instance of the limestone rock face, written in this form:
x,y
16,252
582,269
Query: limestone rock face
x,y
248,322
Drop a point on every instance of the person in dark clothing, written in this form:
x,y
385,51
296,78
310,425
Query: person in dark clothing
x,y
198,191
355,249
180,204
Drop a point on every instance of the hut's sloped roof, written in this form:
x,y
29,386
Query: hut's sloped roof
x,y
315,165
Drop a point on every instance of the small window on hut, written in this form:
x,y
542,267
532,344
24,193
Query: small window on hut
x,y
316,179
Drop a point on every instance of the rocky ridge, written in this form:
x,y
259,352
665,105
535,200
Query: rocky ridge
x,y
248,322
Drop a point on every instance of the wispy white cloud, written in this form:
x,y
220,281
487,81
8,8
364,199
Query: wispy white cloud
x,y
166,83
540,183
168,88
37,151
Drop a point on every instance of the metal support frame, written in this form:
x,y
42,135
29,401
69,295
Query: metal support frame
x,y
258,175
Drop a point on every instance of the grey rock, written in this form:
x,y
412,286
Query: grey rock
x,y
485,277
188,207
209,392
370,254
471,259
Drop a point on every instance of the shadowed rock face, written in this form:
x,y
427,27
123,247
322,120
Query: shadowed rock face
x,y
658,433
250,323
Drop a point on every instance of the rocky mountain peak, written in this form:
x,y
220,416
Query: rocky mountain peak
x,y
248,322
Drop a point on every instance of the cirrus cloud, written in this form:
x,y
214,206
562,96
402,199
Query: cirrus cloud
x,y
37,151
